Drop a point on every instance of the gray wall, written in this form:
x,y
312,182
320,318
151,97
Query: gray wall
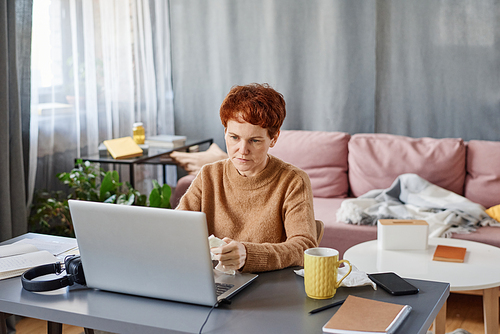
x,y
416,68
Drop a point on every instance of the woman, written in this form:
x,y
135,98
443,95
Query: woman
x,y
261,206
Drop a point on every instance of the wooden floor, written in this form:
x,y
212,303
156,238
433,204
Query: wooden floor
x,y
36,326
464,311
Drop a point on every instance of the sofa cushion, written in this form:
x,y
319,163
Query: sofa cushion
x,y
376,160
482,181
489,235
322,155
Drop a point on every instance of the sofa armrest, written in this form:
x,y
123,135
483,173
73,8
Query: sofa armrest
x,y
182,186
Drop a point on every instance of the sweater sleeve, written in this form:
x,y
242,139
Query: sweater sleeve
x,y
300,229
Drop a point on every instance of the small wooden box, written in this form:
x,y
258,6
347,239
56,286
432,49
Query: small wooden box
x,y
401,234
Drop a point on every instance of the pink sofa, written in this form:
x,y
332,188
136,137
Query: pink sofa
x,y
342,166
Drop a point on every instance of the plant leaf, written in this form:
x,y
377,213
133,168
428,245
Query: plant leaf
x,y
110,199
141,200
115,176
131,200
107,186
154,198
166,193
123,199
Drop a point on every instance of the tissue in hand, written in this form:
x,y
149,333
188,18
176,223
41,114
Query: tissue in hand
x,y
216,242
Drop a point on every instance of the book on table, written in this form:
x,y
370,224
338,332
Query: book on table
x,y
166,141
123,148
103,150
449,253
367,316
25,254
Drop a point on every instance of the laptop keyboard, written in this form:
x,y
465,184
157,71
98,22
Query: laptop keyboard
x,y
220,288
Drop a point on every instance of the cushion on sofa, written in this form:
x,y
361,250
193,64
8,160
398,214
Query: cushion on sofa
x,y
489,235
376,160
322,155
482,181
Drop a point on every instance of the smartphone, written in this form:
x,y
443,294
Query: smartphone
x,y
393,283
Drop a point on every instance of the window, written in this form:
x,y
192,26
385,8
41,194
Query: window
x,y
97,67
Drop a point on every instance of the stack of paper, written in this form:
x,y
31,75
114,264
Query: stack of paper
x,y
18,257
166,141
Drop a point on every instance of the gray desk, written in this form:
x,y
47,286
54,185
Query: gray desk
x,y
274,303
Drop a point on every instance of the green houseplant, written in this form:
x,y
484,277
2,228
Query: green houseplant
x,y
50,211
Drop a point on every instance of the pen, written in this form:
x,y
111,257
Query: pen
x,y
326,307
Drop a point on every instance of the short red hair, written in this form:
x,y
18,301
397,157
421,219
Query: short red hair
x,y
257,104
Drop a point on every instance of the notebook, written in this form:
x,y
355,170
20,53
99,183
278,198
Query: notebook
x,y
449,253
151,252
367,316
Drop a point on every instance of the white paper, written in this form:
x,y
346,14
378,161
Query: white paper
x,y
16,249
53,247
216,242
355,278
15,265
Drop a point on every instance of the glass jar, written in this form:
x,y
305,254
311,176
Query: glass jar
x,y
139,133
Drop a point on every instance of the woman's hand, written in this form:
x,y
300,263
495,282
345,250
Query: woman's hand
x,y
231,256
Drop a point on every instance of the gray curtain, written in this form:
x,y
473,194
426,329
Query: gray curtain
x,y
15,46
416,68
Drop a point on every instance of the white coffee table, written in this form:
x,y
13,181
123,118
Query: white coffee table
x,y
479,271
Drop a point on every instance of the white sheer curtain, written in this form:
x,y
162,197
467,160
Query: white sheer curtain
x,y
98,66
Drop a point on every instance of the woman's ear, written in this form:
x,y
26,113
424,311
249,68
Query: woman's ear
x,y
274,139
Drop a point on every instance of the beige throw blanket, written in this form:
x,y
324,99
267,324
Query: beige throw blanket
x,y
412,197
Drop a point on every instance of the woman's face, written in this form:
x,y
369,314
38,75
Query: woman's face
x,y
247,146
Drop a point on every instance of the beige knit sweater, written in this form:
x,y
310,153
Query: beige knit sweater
x,y
270,213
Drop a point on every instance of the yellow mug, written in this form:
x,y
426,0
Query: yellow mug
x,y
321,266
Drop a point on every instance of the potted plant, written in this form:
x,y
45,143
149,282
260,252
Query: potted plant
x,y
50,211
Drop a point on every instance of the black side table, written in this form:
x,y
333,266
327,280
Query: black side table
x,y
153,156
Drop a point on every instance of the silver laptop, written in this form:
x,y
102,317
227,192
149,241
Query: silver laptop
x,y
152,252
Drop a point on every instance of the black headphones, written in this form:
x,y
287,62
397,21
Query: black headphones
x,y
74,271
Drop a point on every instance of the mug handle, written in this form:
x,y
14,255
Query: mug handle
x,y
350,269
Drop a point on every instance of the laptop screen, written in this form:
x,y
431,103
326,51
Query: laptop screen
x,y
153,252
